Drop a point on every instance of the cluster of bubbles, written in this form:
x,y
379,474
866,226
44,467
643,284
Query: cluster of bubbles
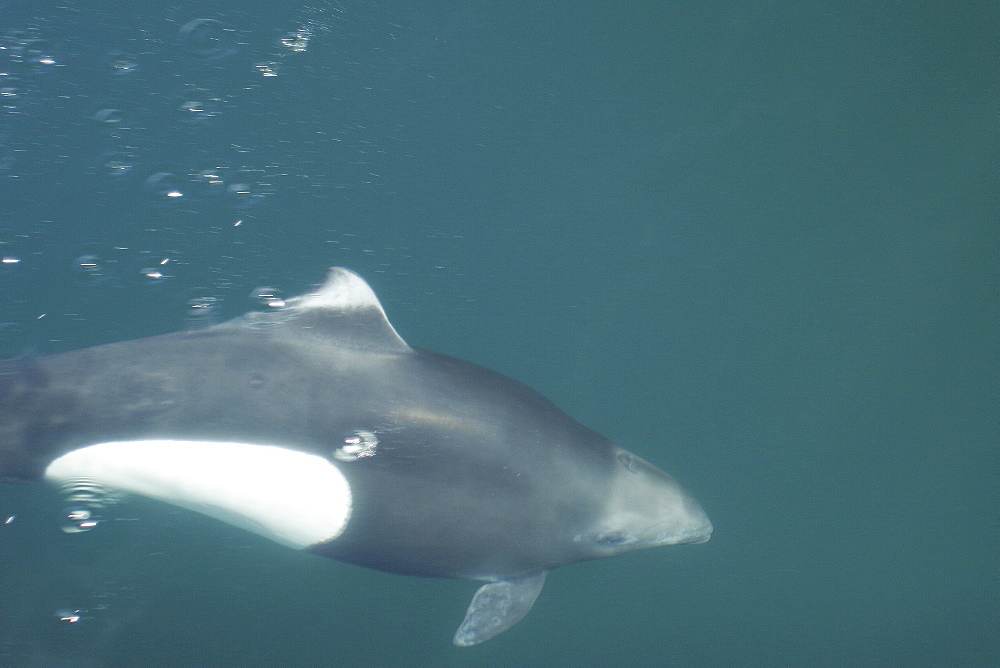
x,y
134,130
109,273
242,189
355,445
25,54
197,106
171,147
201,304
92,268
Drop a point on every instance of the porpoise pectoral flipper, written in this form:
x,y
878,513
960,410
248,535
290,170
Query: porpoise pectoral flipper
x,y
497,606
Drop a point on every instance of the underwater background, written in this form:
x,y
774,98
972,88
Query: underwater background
x,y
755,243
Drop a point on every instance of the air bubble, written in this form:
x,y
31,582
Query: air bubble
x,y
78,519
356,445
10,97
199,110
115,165
208,182
121,64
71,619
8,264
268,298
296,41
70,616
85,499
154,272
244,192
208,38
267,68
90,269
37,56
201,307
110,120
163,187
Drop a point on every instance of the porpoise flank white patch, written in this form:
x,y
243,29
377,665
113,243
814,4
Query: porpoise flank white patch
x,y
291,497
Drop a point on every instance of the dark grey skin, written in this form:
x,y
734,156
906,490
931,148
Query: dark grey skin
x,y
474,475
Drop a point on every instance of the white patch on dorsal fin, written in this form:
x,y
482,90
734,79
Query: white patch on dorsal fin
x,y
341,290
345,307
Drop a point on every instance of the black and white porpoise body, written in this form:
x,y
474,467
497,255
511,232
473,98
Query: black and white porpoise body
x,y
318,427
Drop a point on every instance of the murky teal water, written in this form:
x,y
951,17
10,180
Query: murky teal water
x,y
755,244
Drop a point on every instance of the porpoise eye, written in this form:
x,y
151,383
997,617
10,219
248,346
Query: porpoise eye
x,y
612,538
628,461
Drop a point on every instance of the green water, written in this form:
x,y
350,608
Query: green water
x,y
754,243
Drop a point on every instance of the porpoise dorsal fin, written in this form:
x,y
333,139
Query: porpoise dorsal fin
x,y
497,606
343,309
